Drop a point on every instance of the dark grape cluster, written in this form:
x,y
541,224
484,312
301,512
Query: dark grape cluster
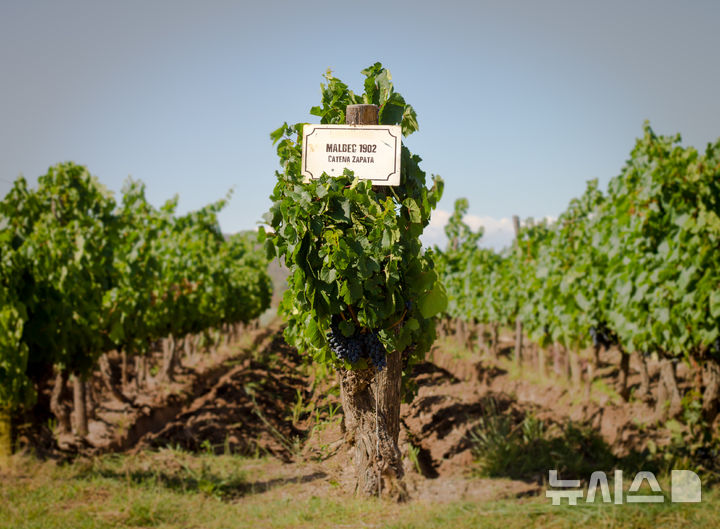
x,y
359,345
375,349
602,336
345,348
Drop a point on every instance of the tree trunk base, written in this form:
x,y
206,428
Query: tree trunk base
x,y
107,378
575,369
59,405
668,392
5,437
371,404
590,374
80,406
124,370
495,340
518,342
711,396
644,389
623,387
170,360
541,362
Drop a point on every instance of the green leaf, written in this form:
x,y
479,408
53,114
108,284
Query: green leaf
x,y
328,275
313,334
391,114
269,249
348,243
582,301
715,303
413,210
433,302
278,133
117,333
347,327
426,280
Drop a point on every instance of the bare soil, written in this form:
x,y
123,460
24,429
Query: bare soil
x,y
258,398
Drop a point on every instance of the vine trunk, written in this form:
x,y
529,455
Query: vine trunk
x,y
371,404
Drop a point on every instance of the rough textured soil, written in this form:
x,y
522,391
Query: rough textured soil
x,y
624,426
246,411
261,400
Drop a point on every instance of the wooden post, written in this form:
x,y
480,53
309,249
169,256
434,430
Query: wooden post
x,y
590,379
518,322
623,387
557,359
5,436
361,115
371,401
667,390
711,396
541,362
124,369
575,370
80,405
496,339
58,404
644,389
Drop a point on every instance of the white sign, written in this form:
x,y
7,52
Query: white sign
x,y
372,152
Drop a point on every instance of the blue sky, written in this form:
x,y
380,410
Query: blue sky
x,y
519,102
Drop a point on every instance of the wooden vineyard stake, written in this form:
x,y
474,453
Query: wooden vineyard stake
x,y
518,321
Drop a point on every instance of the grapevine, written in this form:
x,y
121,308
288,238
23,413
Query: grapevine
x,y
81,274
363,295
634,268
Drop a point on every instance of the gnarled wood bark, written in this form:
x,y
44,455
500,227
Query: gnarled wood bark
x,y
58,403
559,364
711,395
91,399
139,372
644,389
575,370
623,387
495,340
189,344
124,369
371,404
170,358
109,381
668,391
80,405
518,341
5,436
590,374
461,331
541,362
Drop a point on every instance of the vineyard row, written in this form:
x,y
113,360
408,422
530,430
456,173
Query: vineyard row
x,y
82,275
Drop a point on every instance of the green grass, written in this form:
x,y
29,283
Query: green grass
x,y
452,346
172,489
601,386
523,448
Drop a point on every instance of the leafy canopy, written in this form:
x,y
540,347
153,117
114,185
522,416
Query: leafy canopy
x,y
353,250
